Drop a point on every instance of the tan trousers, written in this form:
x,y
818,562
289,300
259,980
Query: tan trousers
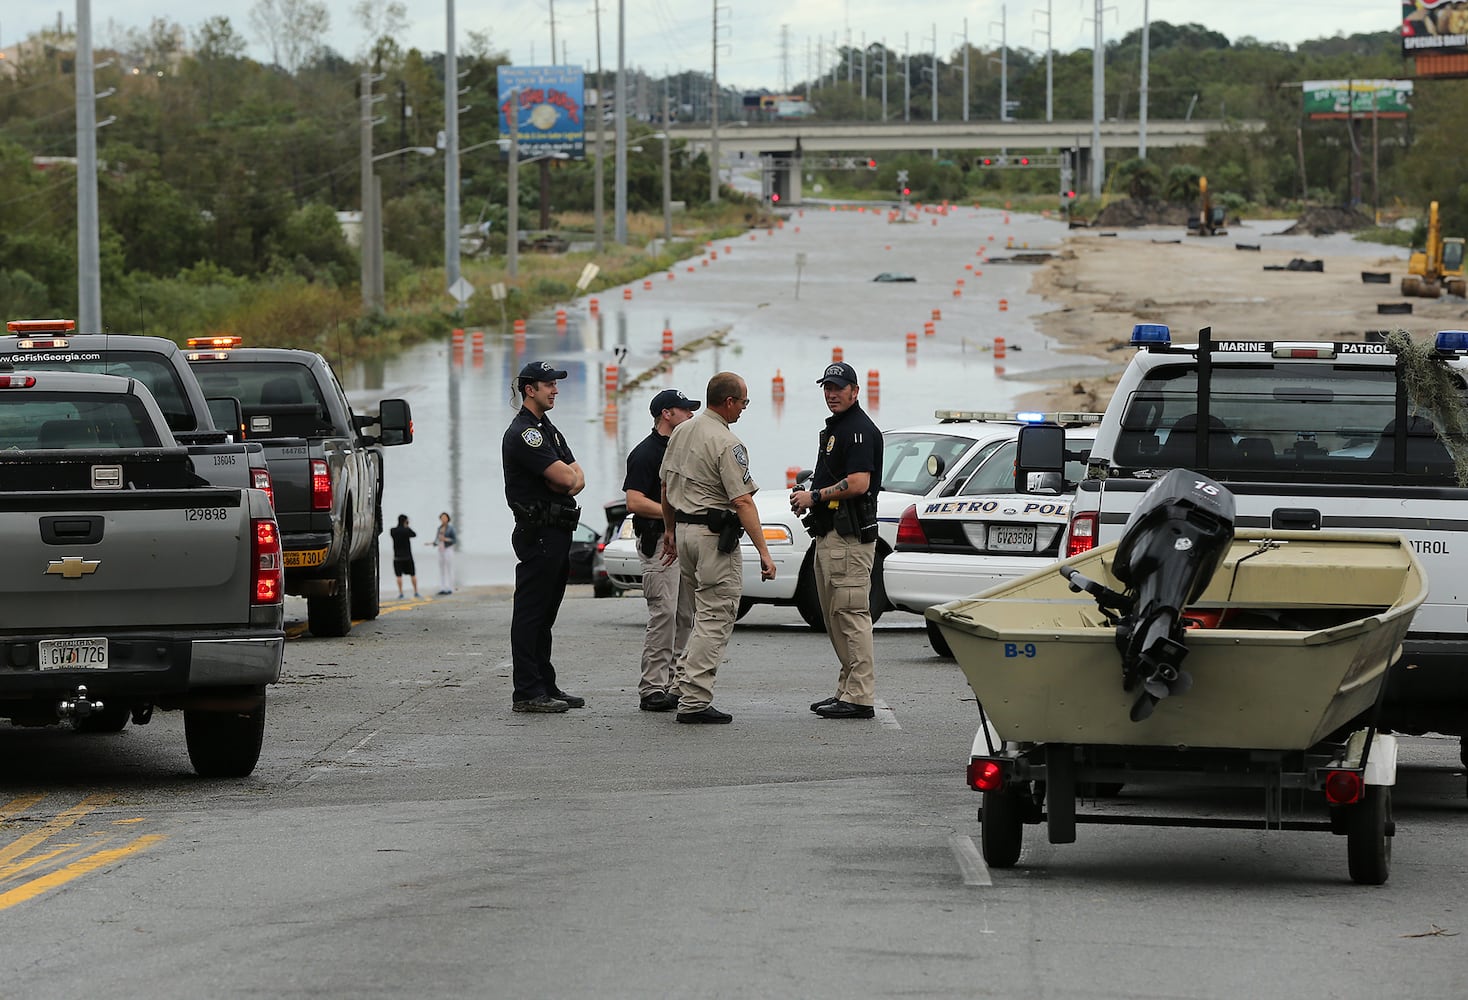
x,y
715,580
844,583
669,619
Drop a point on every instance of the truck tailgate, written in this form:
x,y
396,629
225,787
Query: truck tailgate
x,y
125,559
290,471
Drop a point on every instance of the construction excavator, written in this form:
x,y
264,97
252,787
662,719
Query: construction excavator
x,y
1436,267
1210,218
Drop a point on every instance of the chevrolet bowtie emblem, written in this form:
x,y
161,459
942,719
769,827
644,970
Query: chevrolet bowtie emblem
x,y
72,567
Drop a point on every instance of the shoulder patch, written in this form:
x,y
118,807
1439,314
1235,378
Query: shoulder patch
x,y
531,436
741,455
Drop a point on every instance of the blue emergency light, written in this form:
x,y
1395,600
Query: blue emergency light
x,y
1030,417
1452,341
1151,335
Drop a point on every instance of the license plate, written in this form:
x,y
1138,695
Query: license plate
x,y
305,557
1012,538
72,654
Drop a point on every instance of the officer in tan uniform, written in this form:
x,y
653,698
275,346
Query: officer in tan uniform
x,y
708,501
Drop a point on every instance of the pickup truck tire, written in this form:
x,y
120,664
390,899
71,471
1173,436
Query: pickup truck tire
x,y
1368,845
224,744
1001,829
939,644
329,617
366,586
112,719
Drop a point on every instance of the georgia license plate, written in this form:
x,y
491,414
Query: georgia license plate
x,y
1012,538
72,654
304,558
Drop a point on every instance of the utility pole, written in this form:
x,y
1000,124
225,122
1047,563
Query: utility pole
x,y
1049,61
667,173
1146,57
364,142
714,117
965,69
551,6
88,252
450,152
906,77
512,181
1003,62
597,196
935,78
884,79
619,179
1098,104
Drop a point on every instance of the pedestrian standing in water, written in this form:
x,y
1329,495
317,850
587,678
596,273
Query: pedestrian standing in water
x,y
669,606
445,540
840,512
402,554
541,477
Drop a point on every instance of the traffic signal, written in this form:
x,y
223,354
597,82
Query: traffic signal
x,y
1024,161
871,164
986,162
774,196
1068,195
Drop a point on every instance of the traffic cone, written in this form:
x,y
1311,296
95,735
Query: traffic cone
x,y
836,354
999,347
667,340
777,386
911,342
874,387
1004,305
610,379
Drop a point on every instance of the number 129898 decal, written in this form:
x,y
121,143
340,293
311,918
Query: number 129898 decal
x,y
205,514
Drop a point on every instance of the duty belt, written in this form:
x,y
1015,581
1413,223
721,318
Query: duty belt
x,y
683,517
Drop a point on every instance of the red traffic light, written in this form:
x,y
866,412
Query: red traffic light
x,y
1070,195
987,162
774,196
907,190
1024,161
871,164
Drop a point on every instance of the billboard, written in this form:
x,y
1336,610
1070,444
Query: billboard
x,y
549,103
1434,26
1357,98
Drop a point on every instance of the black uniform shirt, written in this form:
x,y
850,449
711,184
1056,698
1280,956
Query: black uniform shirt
x,y
644,467
401,547
531,446
850,443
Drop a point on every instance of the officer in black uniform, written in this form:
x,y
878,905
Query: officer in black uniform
x,y
541,477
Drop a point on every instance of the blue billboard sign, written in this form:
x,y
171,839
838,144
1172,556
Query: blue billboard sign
x,y
549,103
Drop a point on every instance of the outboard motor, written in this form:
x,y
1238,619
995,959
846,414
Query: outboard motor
x,y
1170,549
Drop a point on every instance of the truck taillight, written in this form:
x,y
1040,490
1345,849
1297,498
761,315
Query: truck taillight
x,y
269,571
985,775
320,485
910,534
1082,534
260,480
17,381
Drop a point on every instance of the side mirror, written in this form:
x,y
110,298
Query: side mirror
x,y
936,466
227,415
1041,449
395,422
803,478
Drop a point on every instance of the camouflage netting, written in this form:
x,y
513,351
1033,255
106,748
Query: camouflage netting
x,y
1432,387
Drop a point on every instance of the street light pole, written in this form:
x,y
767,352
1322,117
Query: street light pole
x,y
667,174
368,229
619,182
598,197
451,154
88,255
512,174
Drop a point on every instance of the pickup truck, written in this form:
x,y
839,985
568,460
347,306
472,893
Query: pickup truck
x,y
133,585
1307,436
218,455
327,471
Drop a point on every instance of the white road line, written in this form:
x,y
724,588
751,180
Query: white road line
x,y
885,716
970,861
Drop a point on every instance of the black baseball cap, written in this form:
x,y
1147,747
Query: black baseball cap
x,y
840,372
541,371
672,399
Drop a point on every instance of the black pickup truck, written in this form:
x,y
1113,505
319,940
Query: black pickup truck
x,y
218,455
327,471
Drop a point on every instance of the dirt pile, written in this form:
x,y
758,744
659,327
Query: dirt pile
x,y
1128,212
1324,220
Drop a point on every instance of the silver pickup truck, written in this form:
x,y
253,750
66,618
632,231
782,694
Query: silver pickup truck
x,y
132,584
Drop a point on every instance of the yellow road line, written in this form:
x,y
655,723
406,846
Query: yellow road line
x,y
75,870
19,805
63,820
15,868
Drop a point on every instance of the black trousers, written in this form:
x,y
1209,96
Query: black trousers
x,y
540,586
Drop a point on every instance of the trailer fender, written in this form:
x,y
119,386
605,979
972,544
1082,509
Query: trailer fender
x,y
1381,763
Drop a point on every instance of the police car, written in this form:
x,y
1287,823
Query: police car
x,y
930,461
980,533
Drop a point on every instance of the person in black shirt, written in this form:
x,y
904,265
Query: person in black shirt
x,y
402,554
842,502
541,477
669,606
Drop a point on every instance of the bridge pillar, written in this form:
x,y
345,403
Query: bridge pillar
x,y
781,175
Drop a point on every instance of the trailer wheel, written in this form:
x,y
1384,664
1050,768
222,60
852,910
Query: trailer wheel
x,y
939,644
1368,836
1001,828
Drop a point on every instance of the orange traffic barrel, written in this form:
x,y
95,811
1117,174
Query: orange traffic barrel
x,y
960,280
836,354
1004,305
478,340
911,342
929,329
670,275
937,314
753,237
610,379
874,386
595,306
667,340
998,347
978,273
690,268
958,293
627,293
792,473
777,386
647,284
560,317
458,338
968,267
705,262
1006,220
713,255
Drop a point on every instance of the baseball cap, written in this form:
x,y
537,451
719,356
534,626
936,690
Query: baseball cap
x,y
672,399
541,371
839,372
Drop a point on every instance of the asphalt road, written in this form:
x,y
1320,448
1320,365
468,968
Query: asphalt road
x,y
405,834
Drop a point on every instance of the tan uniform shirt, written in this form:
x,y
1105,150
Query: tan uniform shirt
x,y
706,466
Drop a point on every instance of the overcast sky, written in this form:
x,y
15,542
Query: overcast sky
x,y
672,35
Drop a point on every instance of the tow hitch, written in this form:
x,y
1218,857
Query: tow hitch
x,y
78,706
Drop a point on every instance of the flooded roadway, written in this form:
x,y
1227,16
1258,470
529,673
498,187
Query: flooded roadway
x,y
784,299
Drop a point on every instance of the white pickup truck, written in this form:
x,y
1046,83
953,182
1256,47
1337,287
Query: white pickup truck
x,y
131,584
1307,436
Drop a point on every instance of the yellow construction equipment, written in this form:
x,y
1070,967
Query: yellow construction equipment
x,y
1437,267
1210,219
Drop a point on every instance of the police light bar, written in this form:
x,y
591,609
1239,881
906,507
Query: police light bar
x,y
1451,341
222,343
41,325
1021,417
1151,335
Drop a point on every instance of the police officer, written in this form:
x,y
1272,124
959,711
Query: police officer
x,y
541,477
708,499
669,607
842,518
